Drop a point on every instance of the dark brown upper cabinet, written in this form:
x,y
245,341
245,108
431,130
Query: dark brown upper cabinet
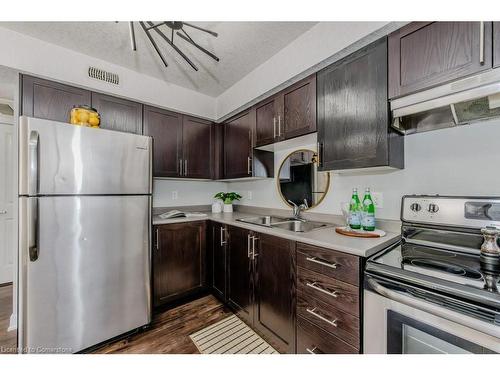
x,y
166,129
496,44
299,109
238,144
353,113
288,114
50,100
197,148
182,145
425,54
266,121
275,296
117,113
178,260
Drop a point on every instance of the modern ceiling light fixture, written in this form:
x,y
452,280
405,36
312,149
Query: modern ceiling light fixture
x,y
163,29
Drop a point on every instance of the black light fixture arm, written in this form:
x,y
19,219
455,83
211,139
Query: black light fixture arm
x,y
177,26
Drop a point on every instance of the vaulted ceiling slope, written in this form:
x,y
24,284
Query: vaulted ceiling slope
x,y
241,47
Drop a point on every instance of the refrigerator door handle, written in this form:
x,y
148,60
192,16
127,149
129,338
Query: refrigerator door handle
x,y
33,163
33,225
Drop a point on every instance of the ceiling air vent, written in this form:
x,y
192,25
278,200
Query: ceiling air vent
x,y
102,75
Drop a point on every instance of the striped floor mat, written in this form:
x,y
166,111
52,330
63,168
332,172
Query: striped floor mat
x,y
230,336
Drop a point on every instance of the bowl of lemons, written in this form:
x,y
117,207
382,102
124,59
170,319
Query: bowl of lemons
x,y
83,115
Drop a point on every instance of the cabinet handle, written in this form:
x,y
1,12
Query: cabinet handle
x,y
222,242
279,125
321,317
320,154
249,165
249,252
185,167
333,294
481,42
311,351
180,167
274,127
322,262
157,240
253,247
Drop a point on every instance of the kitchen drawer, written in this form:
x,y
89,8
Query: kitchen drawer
x,y
336,293
332,320
313,340
332,263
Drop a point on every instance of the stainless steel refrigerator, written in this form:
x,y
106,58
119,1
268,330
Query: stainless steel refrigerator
x,y
84,235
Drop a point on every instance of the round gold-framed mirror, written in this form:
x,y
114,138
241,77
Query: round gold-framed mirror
x,y
299,180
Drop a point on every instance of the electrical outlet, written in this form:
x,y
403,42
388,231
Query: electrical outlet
x,y
175,195
249,195
378,199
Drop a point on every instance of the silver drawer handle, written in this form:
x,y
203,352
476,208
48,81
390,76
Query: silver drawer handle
x,y
314,313
322,262
314,286
311,351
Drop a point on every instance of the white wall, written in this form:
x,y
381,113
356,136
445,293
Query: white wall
x,y
189,193
314,46
456,161
40,58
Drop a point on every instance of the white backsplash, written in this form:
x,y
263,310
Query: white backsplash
x,y
189,193
454,161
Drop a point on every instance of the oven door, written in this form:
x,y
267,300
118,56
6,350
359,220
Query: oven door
x,y
397,322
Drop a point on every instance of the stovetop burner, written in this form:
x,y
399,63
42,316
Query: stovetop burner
x,y
439,266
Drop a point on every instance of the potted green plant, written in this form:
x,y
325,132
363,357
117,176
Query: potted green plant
x,y
228,199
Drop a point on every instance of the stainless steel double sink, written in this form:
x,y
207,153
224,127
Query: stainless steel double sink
x,y
290,224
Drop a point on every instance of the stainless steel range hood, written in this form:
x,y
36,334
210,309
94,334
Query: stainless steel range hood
x,y
460,102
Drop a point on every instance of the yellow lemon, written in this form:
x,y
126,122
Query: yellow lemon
x,y
93,121
83,117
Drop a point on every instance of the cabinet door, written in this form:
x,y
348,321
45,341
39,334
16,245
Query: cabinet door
x,y
299,109
166,129
353,114
197,146
219,241
496,44
118,114
275,291
50,100
238,145
240,283
425,54
266,122
178,260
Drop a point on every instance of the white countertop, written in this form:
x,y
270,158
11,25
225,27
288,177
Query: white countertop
x,y
324,237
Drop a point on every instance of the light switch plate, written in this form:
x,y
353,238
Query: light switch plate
x,y
249,195
175,195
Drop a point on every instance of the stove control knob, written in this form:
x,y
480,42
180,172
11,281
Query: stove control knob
x,y
415,207
433,208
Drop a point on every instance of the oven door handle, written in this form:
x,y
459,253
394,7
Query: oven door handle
x,y
427,307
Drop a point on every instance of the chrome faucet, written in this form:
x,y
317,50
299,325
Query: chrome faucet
x,y
297,209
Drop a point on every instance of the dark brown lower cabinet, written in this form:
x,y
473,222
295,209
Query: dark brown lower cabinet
x,y
178,260
261,285
274,316
218,241
313,340
240,273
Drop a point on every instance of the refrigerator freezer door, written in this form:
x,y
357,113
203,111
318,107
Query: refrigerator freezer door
x,y
90,280
62,159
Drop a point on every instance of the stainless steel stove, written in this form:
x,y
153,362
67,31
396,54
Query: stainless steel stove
x,y
435,291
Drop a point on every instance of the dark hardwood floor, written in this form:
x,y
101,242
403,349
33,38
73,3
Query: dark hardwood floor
x,y
170,330
8,340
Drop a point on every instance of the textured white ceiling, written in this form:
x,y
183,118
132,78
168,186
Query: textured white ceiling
x,y
241,47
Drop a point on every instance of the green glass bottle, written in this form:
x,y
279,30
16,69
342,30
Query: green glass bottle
x,y
355,211
368,217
